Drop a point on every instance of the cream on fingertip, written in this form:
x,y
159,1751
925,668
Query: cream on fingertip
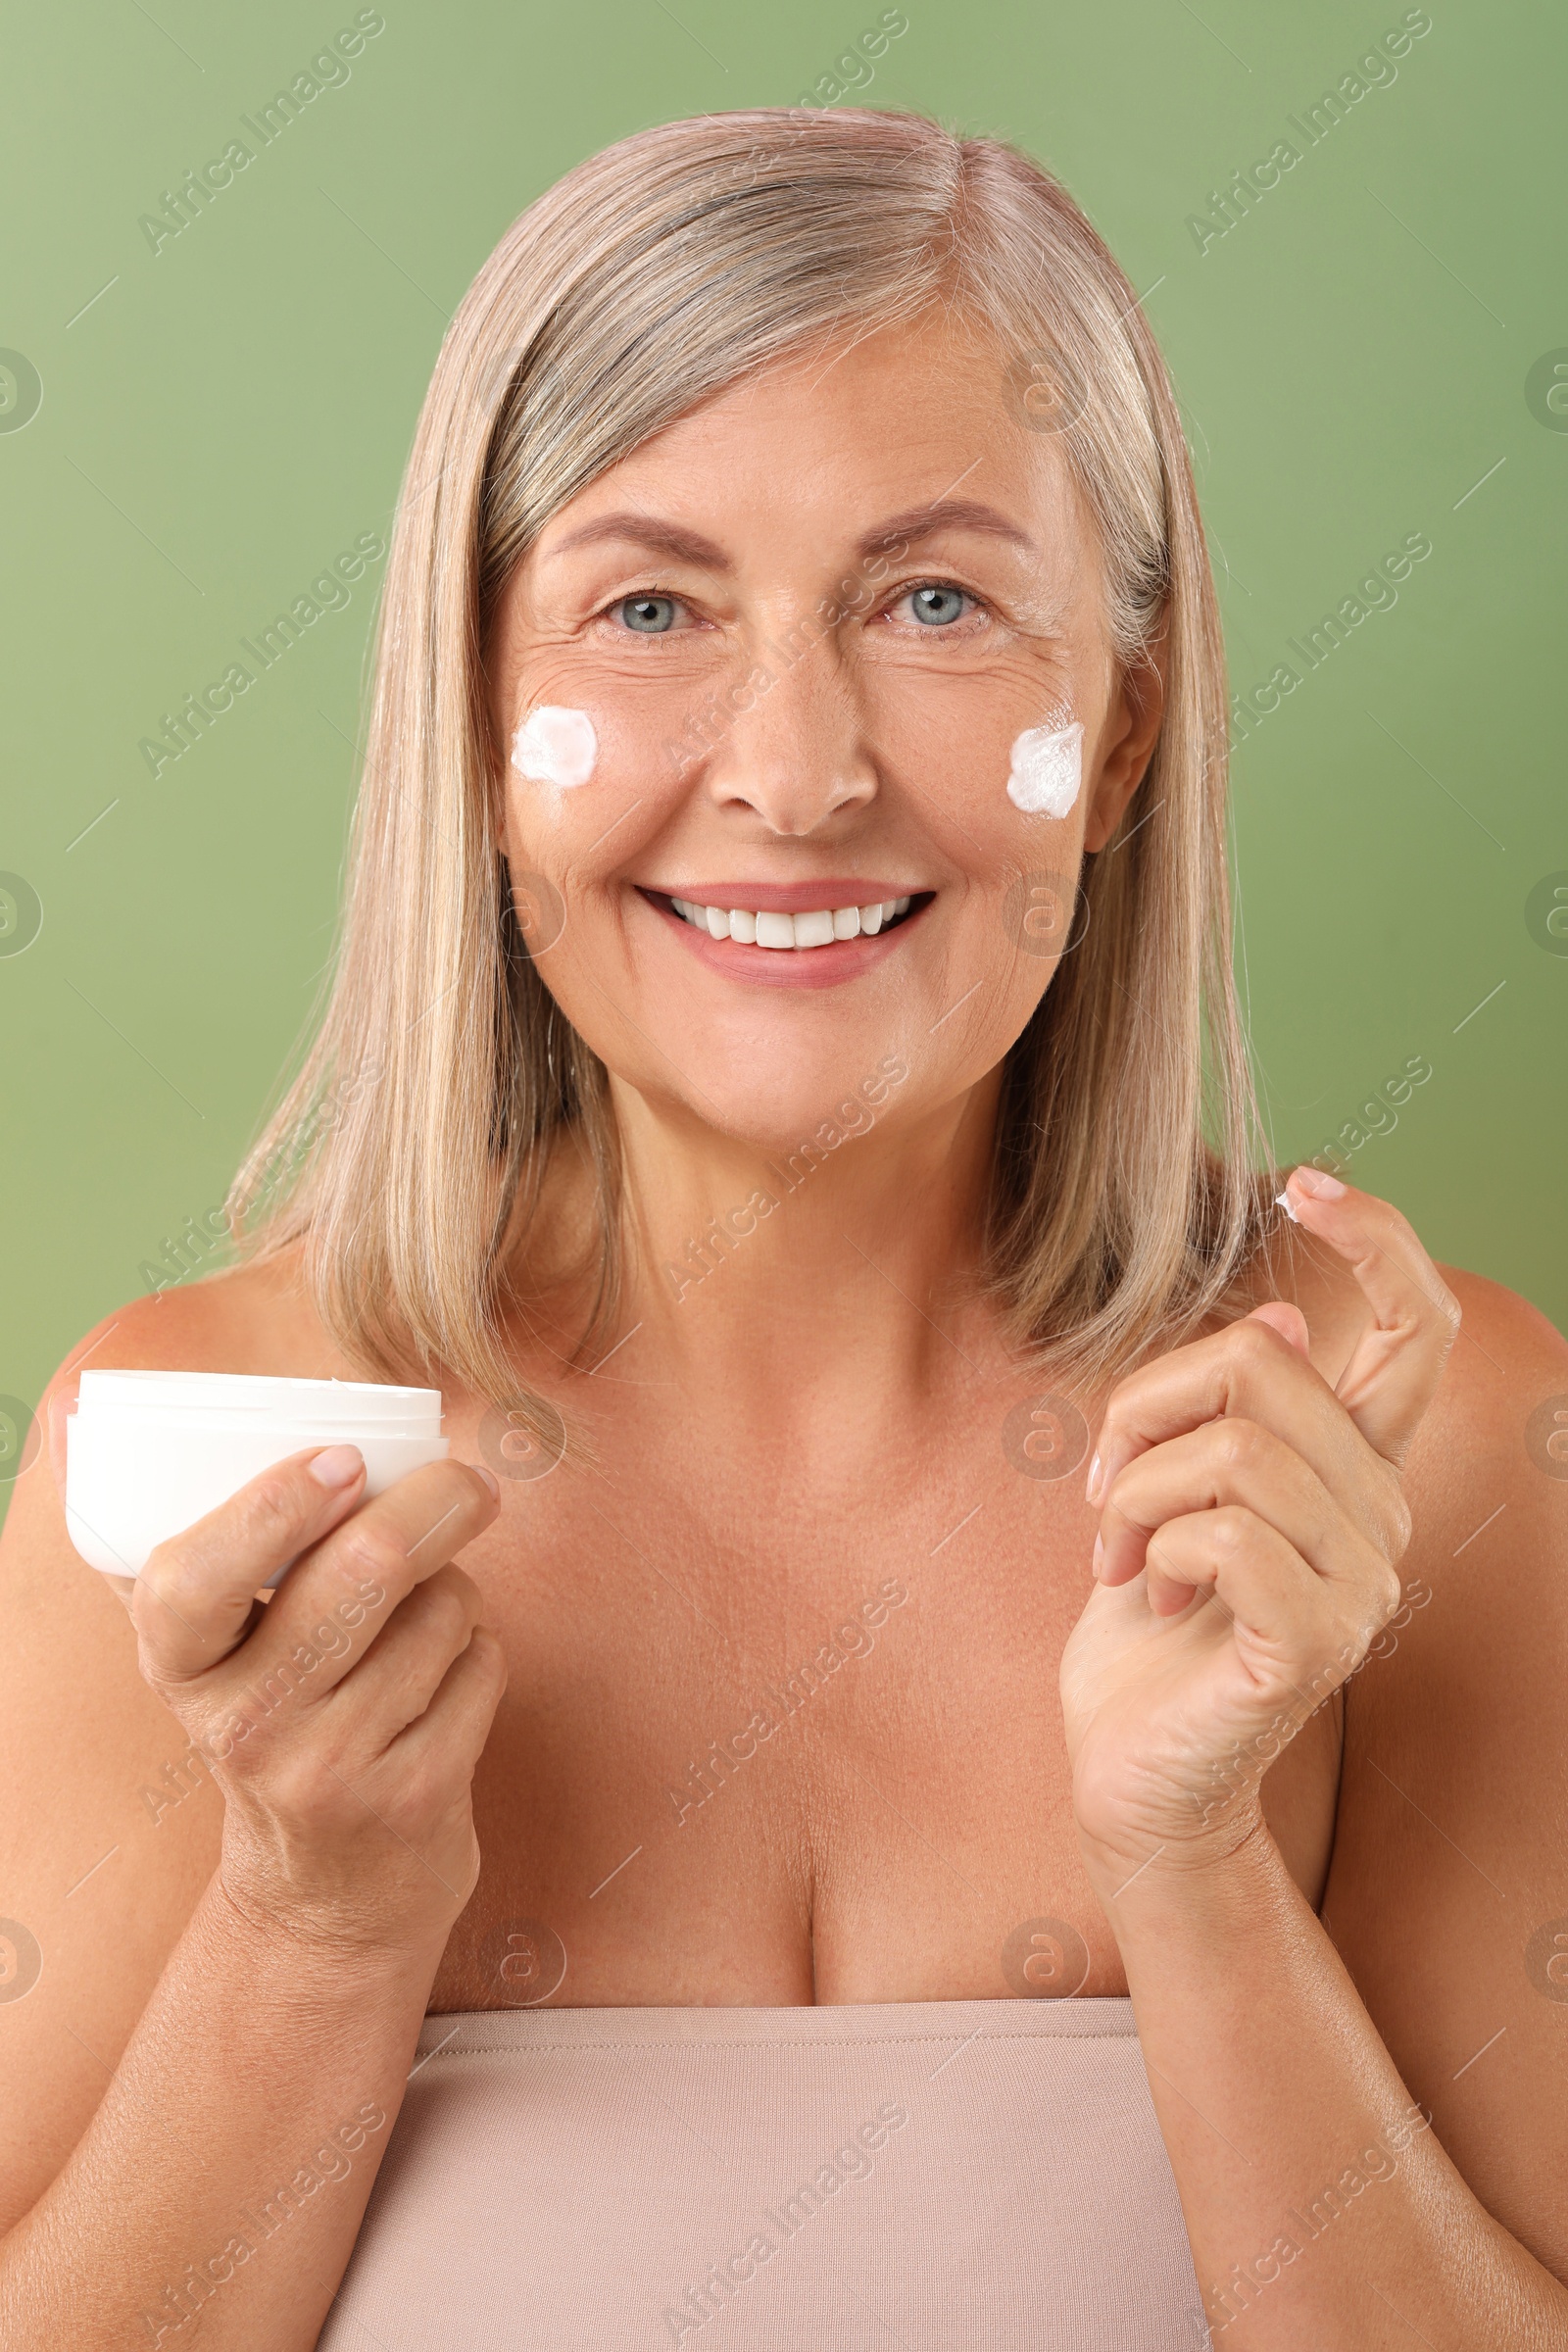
x,y
1283,1201
1318,1185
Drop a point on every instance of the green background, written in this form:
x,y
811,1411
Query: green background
x,y
219,419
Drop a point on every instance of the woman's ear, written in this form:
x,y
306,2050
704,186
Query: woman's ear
x,y
1132,729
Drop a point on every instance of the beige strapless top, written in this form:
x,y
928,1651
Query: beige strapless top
x,y
941,2175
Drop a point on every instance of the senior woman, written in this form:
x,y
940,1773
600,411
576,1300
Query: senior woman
x,y
850,1856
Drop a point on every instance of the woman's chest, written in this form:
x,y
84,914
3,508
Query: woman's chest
x,y
776,1736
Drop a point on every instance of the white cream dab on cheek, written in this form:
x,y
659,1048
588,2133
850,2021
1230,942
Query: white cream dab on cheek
x,y
555,746
1047,767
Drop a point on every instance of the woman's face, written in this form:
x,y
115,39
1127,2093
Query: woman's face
x,y
822,645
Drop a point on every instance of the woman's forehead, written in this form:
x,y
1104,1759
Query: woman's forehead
x,y
907,396
888,445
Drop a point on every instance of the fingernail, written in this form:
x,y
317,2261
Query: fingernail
x,y
489,1477
338,1466
1318,1186
1096,1481
1098,1560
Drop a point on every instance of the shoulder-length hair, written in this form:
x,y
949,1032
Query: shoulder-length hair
x,y
406,1157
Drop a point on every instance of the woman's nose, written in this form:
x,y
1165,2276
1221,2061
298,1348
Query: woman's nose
x,y
793,748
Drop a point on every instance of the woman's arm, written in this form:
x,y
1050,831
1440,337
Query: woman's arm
x,y
1322,2206
226,2168
236,2123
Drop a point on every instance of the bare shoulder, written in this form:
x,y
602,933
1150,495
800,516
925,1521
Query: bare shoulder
x,y
1492,1425
66,1652
247,1318
1447,1896
1489,1438
112,1829
1506,1363
60,1621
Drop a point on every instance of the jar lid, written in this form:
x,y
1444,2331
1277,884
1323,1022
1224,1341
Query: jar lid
x,y
248,1399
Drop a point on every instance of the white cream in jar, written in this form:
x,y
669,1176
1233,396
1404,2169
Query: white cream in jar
x,y
149,1454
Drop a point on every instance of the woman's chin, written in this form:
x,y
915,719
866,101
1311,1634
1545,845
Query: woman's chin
x,y
806,1123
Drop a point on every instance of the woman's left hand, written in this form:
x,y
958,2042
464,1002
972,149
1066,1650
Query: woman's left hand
x,y
1252,1518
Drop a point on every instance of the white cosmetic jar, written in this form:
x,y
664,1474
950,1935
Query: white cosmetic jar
x,y
148,1454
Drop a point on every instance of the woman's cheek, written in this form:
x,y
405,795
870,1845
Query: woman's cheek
x,y
1006,778
1046,768
572,772
555,749
569,766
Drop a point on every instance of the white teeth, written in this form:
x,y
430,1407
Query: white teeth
x,y
814,930
818,928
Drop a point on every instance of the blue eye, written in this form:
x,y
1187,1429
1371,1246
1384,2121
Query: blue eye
x,y
935,605
649,615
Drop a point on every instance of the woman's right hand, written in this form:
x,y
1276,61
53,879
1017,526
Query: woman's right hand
x,y
344,1718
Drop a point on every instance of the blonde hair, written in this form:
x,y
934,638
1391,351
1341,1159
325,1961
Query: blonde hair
x,y
407,1154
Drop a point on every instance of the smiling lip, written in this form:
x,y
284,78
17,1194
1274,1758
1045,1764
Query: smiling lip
x,y
827,966
788,898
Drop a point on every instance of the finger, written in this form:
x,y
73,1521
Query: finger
x,y
1292,1632
399,1674
1283,1316
1250,1371
1284,1620
196,1598
1394,1371
334,1605
455,1724
1239,1462
1278,1315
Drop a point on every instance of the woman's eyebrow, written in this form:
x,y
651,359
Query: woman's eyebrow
x,y
674,540
680,544
945,514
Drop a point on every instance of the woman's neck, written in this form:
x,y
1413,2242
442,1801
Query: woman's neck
x,y
842,1260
